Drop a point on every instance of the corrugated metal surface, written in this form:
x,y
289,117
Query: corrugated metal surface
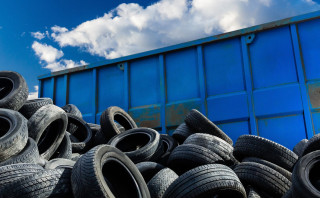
x,y
263,80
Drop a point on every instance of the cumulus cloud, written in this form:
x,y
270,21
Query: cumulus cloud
x,y
38,35
130,28
34,95
49,57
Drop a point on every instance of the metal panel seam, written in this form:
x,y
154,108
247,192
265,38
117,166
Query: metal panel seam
x,y
40,92
126,87
53,82
202,80
249,86
162,93
94,87
301,78
66,85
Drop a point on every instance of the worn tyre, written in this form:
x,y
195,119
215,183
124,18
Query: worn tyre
x,y
109,118
96,174
201,124
59,163
47,127
215,144
300,146
13,172
47,183
263,178
305,176
166,146
138,144
72,109
13,90
182,133
64,150
188,156
149,169
312,145
252,193
207,181
82,132
255,146
29,154
31,106
13,133
160,182
275,167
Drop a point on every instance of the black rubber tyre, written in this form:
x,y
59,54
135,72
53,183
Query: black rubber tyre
x,y
82,132
212,180
160,182
288,194
166,146
47,127
13,172
97,174
75,156
59,163
312,145
109,118
201,124
94,128
72,109
188,156
149,169
47,183
29,154
65,149
253,193
182,133
215,144
13,133
306,176
99,138
263,178
138,144
275,167
300,146
31,106
13,90
255,146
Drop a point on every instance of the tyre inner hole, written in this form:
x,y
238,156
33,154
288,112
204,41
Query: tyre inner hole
x,y
314,175
165,145
77,129
133,142
6,86
118,176
5,126
50,135
122,121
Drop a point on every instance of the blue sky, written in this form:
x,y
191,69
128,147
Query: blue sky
x,y
37,37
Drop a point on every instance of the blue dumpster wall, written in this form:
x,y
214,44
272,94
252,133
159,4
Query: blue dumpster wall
x,y
263,80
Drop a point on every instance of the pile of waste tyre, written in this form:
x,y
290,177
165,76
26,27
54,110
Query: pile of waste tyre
x,y
48,151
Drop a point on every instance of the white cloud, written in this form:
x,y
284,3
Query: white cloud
x,y
38,35
49,57
131,28
34,95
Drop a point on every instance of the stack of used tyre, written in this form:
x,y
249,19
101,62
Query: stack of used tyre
x,y
48,151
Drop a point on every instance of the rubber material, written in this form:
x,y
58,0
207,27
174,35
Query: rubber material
x,y
138,144
188,156
65,149
47,183
149,169
255,146
213,180
109,118
263,178
96,174
72,109
31,106
160,182
13,133
201,124
59,163
182,133
312,145
47,127
300,146
13,90
30,154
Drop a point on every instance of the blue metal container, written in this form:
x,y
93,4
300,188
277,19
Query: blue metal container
x,y
263,80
